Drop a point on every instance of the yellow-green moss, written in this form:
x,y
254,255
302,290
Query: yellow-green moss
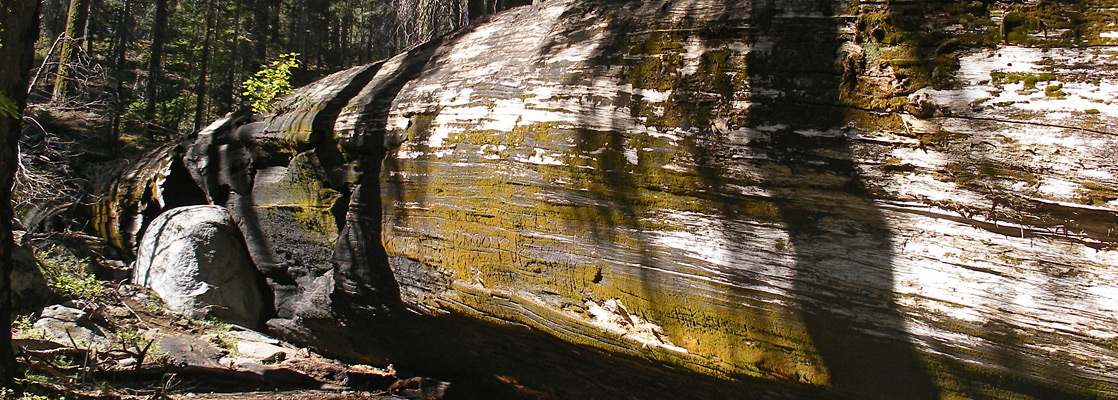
x,y
1053,91
999,78
964,175
1096,194
1028,177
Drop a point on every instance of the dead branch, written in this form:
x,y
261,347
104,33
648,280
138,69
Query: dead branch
x,y
44,64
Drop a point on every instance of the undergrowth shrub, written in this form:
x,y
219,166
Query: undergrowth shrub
x,y
266,88
68,275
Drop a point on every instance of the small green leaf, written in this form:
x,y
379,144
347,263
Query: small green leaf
x,y
8,107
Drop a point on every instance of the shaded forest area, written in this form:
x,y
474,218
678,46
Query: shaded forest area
x,y
165,67
111,79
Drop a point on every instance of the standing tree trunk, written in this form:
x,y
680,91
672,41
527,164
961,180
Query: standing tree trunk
x,y
122,27
119,60
258,32
200,90
87,41
345,22
19,29
71,48
231,94
156,65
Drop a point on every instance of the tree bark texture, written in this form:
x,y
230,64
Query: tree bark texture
x,y
19,29
124,24
234,59
155,65
200,90
697,199
71,49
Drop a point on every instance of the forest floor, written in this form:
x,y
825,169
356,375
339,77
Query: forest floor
x,y
127,345
81,331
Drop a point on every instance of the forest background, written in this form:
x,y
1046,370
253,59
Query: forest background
x,y
112,79
160,68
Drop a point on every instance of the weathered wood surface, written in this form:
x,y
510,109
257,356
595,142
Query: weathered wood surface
x,y
894,201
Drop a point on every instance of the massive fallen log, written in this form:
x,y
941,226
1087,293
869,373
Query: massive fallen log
x,y
695,198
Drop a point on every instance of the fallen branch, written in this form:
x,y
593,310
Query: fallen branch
x,y
142,354
61,351
44,64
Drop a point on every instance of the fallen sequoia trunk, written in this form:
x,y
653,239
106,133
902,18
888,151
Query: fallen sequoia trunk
x,y
695,199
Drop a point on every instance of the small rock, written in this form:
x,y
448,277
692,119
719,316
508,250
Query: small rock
x,y
66,331
63,313
117,312
263,351
252,336
238,363
186,351
126,363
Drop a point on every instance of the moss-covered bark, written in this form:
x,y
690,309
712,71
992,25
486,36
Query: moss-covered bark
x,y
71,49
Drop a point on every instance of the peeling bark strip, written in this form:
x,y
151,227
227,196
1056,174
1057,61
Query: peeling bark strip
x,y
700,191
